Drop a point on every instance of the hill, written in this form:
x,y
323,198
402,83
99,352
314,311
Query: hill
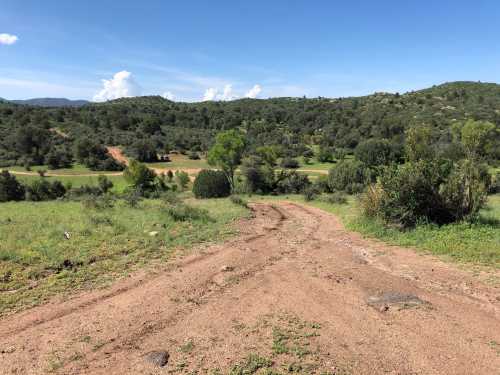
x,y
292,123
52,102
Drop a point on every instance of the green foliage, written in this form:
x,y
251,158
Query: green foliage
x,y
43,190
349,175
236,199
182,179
104,184
139,176
290,163
10,188
418,144
144,151
476,138
291,182
427,191
374,152
185,212
227,152
94,155
259,173
325,154
211,184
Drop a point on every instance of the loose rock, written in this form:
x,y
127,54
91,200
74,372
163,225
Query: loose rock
x,y
158,358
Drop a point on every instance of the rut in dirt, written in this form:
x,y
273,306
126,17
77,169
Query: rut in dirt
x,y
294,292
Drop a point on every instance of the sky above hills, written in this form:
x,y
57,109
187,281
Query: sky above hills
x,y
221,50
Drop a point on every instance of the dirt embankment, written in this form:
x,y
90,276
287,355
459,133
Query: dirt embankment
x,y
294,287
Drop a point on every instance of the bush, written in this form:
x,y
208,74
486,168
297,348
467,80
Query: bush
x,y
139,176
104,184
336,197
193,155
10,188
427,191
325,155
349,175
43,190
184,212
290,163
310,193
182,179
374,152
211,184
259,174
236,199
292,182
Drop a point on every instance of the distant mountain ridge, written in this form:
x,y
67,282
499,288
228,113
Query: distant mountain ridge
x,y
51,102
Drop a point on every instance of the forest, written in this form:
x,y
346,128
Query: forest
x,y
148,127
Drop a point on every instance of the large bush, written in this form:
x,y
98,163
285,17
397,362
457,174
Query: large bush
x,y
426,191
43,190
349,175
10,188
211,184
374,152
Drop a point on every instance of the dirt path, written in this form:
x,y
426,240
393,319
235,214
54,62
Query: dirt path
x,y
295,287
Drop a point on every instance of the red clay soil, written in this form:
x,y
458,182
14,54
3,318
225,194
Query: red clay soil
x,y
376,309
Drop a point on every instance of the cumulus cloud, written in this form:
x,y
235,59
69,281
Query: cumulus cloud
x,y
168,95
227,93
120,86
210,94
254,92
8,39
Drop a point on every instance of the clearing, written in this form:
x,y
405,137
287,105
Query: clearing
x,y
295,292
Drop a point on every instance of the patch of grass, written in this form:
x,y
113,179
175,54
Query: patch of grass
x,y
38,261
187,347
119,183
251,365
181,162
477,243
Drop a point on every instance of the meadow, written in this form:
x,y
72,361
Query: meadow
x,y
37,260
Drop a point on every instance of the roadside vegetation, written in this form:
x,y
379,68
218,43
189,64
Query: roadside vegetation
x,y
60,238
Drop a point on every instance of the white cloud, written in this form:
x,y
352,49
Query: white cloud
x,y
254,92
227,93
168,95
120,86
8,39
210,94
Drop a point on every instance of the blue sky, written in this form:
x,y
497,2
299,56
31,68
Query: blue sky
x,y
190,50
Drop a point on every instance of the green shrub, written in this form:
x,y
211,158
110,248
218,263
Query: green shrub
x,y
211,184
10,188
184,212
310,193
291,182
427,191
182,179
139,176
349,175
43,190
337,197
236,199
104,184
374,152
290,163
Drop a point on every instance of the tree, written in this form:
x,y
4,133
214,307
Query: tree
x,y
211,184
10,188
145,151
227,152
374,152
139,175
418,144
475,136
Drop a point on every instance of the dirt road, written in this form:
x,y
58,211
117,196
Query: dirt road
x,y
295,288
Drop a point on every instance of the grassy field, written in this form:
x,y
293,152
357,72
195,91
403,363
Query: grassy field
x,y
181,162
119,183
477,243
37,261
76,169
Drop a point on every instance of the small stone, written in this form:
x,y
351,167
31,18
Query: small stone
x,y
153,233
158,358
227,269
384,308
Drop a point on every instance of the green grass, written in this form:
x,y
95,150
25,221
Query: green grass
x,y
36,261
119,183
181,162
76,169
477,243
